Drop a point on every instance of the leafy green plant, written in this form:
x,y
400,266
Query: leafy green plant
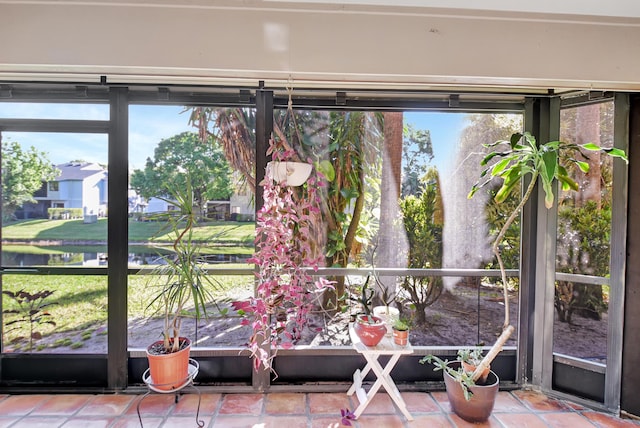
x,y
584,238
401,325
31,311
472,356
511,161
365,294
423,219
465,379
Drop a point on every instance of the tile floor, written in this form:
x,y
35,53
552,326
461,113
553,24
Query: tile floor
x,y
521,409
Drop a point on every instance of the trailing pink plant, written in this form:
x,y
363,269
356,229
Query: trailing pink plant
x,y
285,253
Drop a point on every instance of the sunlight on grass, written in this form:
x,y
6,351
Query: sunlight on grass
x,y
79,303
57,230
143,287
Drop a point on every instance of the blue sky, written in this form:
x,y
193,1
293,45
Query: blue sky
x,y
445,131
150,124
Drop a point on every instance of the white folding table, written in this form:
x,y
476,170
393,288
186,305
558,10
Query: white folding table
x,y
383,374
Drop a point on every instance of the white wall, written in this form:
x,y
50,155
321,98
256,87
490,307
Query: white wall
x,y
233,41
71,193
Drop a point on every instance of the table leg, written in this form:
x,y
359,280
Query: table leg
x,y
363,373
380,373
383,379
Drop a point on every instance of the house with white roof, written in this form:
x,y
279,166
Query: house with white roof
x,y
79,185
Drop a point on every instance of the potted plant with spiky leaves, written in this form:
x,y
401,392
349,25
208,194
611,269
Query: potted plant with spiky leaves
x,y
181,283
511,161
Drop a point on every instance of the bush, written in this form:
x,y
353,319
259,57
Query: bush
x,y
64,213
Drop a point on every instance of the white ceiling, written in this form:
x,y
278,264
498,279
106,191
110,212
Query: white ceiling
x,y
617,8
605,8
583,44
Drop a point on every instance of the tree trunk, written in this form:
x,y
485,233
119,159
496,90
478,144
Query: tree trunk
x,y
388,248
588,131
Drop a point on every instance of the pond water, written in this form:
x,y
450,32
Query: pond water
x,y
94,257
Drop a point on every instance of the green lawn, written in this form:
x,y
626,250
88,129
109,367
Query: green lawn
x,y
211,232
79,303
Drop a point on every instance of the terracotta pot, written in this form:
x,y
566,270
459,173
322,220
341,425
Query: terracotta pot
x,y
470,368
169,371
400,337
480,406
369,329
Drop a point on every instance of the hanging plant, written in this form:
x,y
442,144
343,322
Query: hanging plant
x,y
284,255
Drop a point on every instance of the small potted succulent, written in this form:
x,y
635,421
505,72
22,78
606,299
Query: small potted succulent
x,y
401,332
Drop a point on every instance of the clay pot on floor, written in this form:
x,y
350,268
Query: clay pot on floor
x,y
169,371
480,406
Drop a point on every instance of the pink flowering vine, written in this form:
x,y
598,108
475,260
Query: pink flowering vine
x,y
285,251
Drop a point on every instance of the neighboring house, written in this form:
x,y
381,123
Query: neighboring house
x,y
157,205
137,203
79,185
239,206
84,185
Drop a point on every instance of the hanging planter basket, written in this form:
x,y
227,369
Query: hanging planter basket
x,y
289,173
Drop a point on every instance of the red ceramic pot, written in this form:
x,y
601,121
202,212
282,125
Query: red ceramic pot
x,y
370,329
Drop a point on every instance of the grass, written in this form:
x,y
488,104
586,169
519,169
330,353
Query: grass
x,y
134,249
223,232
79,303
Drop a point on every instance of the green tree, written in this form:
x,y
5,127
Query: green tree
x,y
585,216
584,235
417,152
423,220
233,130
345,200
23,172
345,147
180,156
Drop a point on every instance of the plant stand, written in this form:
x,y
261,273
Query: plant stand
x,y
383,374
188,382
